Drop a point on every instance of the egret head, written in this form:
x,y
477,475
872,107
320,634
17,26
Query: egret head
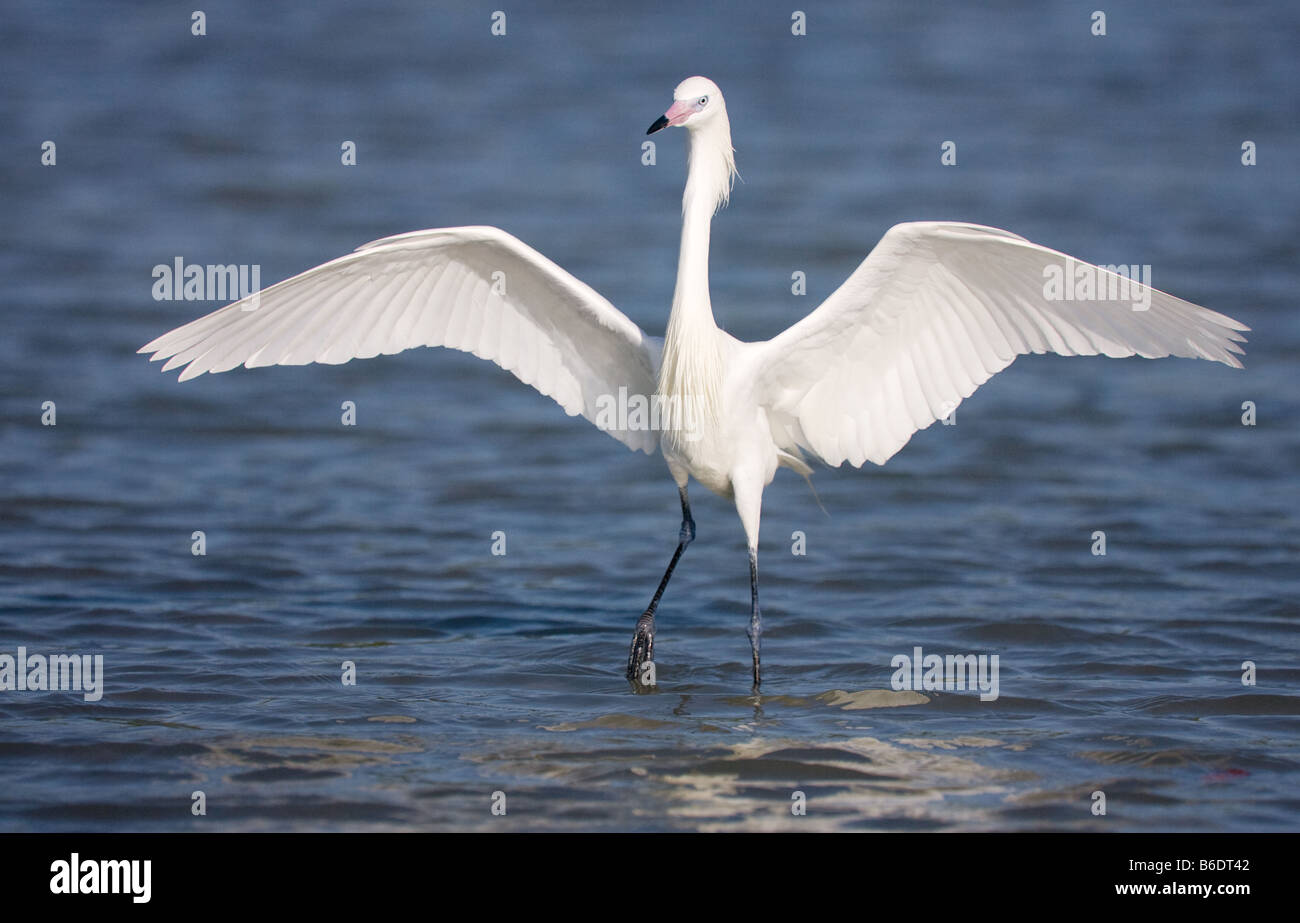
x,y
697,102
698,107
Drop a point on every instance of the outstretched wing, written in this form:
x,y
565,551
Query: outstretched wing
x,y
476,289
934,311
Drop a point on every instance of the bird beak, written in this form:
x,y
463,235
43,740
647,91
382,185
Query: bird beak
x,y
677,113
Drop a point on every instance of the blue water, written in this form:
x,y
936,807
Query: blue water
x,y
372,543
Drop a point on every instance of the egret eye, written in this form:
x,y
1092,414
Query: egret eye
x,y
704,101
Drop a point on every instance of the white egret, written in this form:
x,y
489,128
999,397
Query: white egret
x,y
931,313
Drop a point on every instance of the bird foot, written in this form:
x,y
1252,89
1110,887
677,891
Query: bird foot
x,y
643,646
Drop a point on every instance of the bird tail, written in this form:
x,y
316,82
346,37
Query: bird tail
x,y
794,461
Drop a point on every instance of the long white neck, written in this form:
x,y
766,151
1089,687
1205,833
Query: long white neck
x,y
691,363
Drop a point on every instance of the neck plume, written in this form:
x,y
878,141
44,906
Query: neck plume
x,y
708,187
691,359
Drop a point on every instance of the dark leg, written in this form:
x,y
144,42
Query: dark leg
x,y
643,639
755,617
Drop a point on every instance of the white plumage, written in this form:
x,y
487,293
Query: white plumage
x,y
932,313
434,288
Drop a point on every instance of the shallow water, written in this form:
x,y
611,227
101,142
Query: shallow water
x,y
482,673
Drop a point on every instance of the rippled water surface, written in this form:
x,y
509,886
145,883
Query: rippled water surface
x,y
480,673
